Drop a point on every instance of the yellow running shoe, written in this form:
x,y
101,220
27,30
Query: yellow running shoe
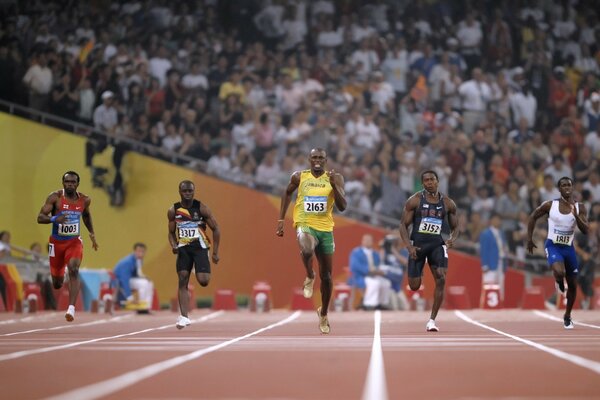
x,y
308,287
323,322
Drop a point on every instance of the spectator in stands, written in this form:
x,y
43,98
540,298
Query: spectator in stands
x,y
65,98
558,168
133,286
36,251
493,251
268,171
475,94
367,275
160,64
39,81
592,140
105,115
219,164
593,185
585,165
470,36
87,101
195,81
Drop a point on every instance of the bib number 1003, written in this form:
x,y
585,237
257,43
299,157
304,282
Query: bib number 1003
x,y
68,229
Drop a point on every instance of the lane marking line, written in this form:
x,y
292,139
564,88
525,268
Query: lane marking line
x,y
376,386
24,353
25,319
553,318
572,358
112,385
100,321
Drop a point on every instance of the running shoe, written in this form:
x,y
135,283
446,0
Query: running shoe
x,y
431,327
568,322
323,322
308,287
70,315
182,322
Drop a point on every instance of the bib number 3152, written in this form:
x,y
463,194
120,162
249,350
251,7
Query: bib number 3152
x,y
430,226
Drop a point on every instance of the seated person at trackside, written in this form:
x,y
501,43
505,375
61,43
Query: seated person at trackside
x,y
366,275
394,261
133,286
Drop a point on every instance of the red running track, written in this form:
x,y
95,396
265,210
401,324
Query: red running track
x,y
281,355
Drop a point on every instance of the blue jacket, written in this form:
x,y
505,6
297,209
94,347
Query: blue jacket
x,y
394,269
488,249
125,269
359,266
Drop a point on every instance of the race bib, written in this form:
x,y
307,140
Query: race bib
x,y
315,204
562,237
69,229
189,232
430,226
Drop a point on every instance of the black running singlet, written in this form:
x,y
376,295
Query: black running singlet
x,y
428,221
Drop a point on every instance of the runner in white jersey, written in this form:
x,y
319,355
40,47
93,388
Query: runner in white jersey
x,y
564,214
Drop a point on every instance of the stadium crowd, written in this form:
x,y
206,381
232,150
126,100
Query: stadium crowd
x,y
501,98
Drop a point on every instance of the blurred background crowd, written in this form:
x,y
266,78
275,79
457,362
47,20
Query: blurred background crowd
x,y
501,98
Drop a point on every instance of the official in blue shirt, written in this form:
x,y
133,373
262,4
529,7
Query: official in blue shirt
x,y
128,272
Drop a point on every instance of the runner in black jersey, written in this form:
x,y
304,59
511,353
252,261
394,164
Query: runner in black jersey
x,y
426,211
188,219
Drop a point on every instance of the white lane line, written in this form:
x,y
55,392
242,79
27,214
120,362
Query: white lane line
x,y
553,318
24,353
30,318
376,386
100,321
572,358
120,382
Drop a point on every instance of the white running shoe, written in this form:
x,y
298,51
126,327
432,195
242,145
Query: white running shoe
x,y
431,327
70,315
182,322
568,322
307,289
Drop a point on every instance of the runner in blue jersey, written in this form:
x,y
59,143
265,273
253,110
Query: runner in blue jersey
x,y
564,214
427,211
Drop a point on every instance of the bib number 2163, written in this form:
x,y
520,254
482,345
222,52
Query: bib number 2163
x,y
315,204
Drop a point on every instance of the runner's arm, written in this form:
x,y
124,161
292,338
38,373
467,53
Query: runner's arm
x,y
87,220
286,198
543,209
581,218
171,236
216,232
452,221
44,216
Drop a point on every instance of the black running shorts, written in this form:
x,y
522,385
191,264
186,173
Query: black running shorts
x,y
436,256
193,256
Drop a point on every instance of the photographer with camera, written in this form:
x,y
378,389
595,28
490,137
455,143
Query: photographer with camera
x,y
394,259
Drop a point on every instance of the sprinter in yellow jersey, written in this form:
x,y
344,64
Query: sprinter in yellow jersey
x,y
318,191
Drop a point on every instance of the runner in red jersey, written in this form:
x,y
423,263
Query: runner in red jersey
x,y
64,209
